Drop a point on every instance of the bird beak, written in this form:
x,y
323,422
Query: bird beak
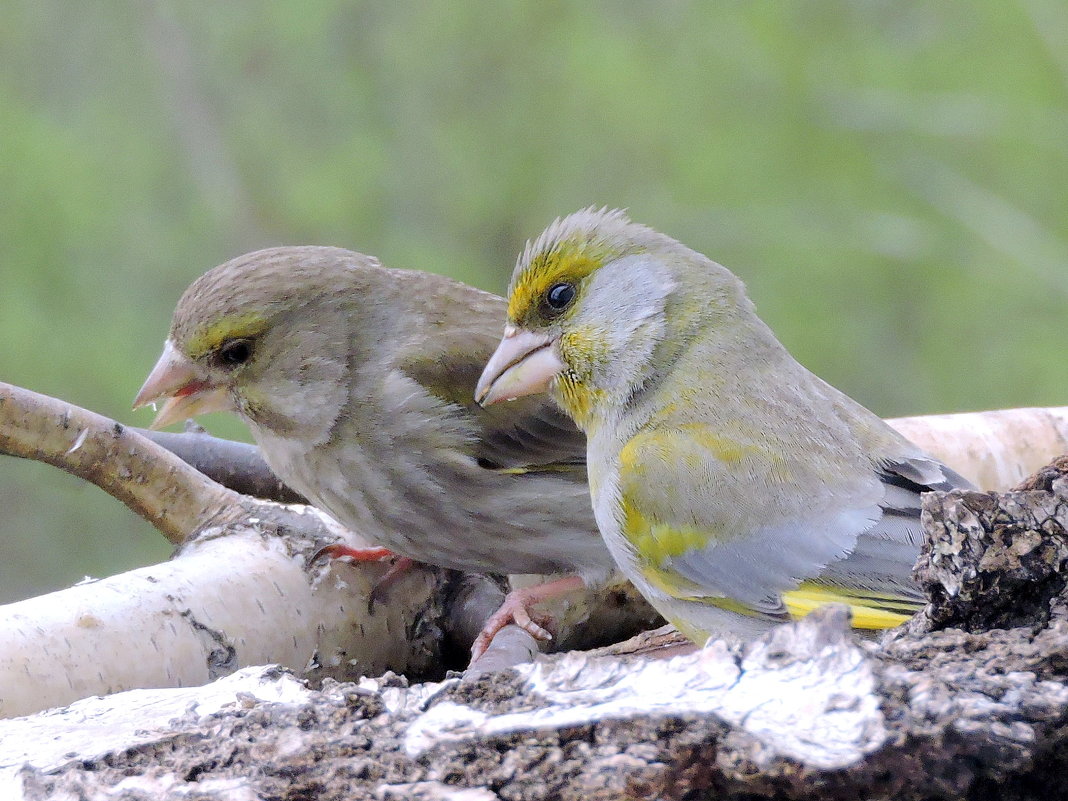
x,y
184,390
523,364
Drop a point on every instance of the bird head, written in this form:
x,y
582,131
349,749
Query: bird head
x,y
261,335
591,301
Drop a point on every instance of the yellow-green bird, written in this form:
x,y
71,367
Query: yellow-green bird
x,y
731,485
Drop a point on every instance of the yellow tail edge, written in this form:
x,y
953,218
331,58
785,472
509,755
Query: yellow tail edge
x,y
866,614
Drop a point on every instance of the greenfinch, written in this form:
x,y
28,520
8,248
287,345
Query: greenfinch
x,y
357,384
731,485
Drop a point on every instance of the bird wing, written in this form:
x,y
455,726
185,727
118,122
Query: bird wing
x,y
700,532
528,433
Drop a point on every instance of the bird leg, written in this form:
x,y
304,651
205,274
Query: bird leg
x,y
378,592
515,609
337,550
381,588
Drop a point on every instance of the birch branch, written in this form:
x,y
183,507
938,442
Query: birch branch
x,y
995,450
163,489
235,596
806,712
236,465
246,597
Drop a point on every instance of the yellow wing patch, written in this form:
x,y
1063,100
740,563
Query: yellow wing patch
x,y
670,445
726,450
655,543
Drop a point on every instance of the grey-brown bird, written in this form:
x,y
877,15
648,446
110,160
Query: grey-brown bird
x,y
357,382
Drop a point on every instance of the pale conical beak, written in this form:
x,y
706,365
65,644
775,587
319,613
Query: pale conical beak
x,y
524,363
184,390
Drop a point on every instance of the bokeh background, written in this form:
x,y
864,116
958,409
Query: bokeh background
x,y
890,179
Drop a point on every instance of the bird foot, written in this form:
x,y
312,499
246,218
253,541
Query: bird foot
x,y
513,610
516,609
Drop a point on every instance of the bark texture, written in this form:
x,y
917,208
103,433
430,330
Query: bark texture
x,y
968,701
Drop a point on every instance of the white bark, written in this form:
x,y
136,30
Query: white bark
x,y
246,598
995,450
226,602
92,727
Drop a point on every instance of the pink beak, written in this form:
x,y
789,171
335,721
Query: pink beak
x,y
524,363
184,390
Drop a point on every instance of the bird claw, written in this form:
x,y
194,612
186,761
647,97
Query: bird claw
x,y
513,610
337,550
381,588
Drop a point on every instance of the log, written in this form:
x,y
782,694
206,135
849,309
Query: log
x,y
237,595
239,592
965,703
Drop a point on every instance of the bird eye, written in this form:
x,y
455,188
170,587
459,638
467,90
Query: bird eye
x,y
559,296
235,352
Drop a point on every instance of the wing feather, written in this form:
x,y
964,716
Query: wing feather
x,y
530,432
856,544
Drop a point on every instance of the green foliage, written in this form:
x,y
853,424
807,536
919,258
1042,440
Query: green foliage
x,y
889,178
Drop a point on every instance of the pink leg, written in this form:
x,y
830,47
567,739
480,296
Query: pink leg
x,y
336,551
378,593
381,588
515,609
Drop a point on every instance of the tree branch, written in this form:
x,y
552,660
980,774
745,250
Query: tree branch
x,y
806,712
167,492
236,465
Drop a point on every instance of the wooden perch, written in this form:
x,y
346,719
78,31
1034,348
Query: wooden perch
x,y
167,492
805,712
240,592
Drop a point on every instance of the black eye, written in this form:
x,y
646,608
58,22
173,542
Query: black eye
x,y
559,296
235,352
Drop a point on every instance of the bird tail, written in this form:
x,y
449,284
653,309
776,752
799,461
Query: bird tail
x,y
870,610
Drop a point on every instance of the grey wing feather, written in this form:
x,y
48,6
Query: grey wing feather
x,y
882,561
757,569
528,432
538,435
922,473
868,550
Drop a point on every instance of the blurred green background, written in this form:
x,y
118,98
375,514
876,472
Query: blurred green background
x,y
888,177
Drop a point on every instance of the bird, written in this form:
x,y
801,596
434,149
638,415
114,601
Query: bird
x,y
733,487
357,382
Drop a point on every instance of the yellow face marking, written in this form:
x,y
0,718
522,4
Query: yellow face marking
x,y
580,348
578,399
209,337
566,261
547,270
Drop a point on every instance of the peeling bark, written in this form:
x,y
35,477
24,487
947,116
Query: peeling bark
x,y
968,701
